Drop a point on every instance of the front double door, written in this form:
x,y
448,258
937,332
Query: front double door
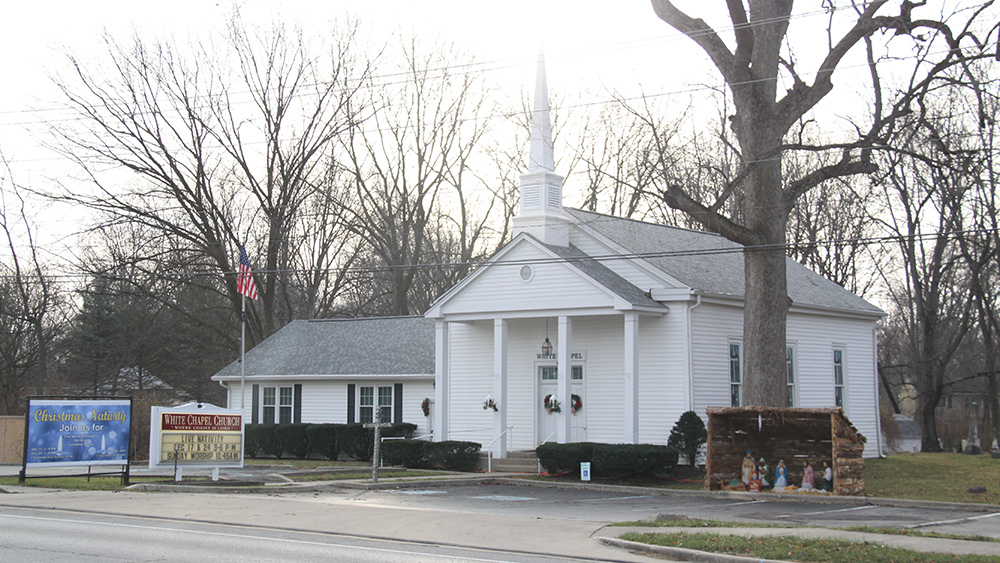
x,y
548,383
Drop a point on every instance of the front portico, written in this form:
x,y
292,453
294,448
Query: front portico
x,y
497,354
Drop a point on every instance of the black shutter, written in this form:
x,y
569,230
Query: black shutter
x,y
255,402
297,403
350,403
397,403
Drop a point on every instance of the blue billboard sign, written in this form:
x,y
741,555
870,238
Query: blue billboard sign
x,y
78,432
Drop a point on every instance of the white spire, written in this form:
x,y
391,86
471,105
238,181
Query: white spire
x,y
541,159
541,213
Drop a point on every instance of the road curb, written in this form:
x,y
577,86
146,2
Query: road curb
x,y
682,554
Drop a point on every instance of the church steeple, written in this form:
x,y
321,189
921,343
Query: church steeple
x,y
541,212
541,158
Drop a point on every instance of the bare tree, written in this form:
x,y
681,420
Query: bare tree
x,y
225,146
28,298
753,68
410,177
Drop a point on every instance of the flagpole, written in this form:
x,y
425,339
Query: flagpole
x,y
243,349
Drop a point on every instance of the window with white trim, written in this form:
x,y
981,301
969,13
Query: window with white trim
x,y
551,373
367,396
276,405
790,374
735,376
838,377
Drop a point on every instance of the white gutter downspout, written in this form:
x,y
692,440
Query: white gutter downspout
x,y
689,381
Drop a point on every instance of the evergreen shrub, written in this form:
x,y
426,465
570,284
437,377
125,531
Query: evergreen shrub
x,y
451,455
633,460
688,435
323,439
292,438
266,441
559,459
408,453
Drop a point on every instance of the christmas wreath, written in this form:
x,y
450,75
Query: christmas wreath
x,y
575,403
551,404
489,403
426,407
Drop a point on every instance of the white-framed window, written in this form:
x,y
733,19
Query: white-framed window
x,y
551,373
367,397
735,376
276,405
838,377
790,374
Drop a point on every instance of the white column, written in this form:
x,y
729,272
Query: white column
x,y
564,357
631,370
500,385
441,351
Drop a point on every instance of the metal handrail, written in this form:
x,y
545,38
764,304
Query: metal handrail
x,y
554,432
489,448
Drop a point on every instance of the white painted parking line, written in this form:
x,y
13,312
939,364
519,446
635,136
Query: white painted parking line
x,y
747,502
409,492
826,511
955,521
612,498
504,498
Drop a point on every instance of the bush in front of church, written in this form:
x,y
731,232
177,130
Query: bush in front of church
x,y
633,460
263,439
408,453
564,459
451,455
323,439
292,438
608,460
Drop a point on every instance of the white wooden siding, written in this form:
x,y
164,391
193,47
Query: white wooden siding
x,y
814,338
662,366
554,285
325,401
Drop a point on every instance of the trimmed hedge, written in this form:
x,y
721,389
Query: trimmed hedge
x,y
292,438
329,440
452,455
265,439
608,460
633,460
323,439
359,442
408,453
559,459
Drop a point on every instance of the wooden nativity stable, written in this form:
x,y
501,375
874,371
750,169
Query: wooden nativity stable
x,y
794,435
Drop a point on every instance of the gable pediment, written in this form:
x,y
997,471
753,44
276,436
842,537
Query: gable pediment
x,y
528,277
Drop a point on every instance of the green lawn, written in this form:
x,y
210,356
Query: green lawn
x,y
940,477
799,549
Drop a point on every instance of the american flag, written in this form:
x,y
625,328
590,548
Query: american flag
x,y
244,280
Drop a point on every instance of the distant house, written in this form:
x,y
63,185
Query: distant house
x,y
337,371
583,327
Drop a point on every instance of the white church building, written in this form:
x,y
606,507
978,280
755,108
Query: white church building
x,y
625,324
645,322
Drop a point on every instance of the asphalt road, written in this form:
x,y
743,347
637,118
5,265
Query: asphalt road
x,y
608,506
36,535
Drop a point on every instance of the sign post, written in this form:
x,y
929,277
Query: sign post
x,y
378,425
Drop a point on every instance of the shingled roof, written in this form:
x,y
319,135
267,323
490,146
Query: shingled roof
x,y
711,264
398,346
